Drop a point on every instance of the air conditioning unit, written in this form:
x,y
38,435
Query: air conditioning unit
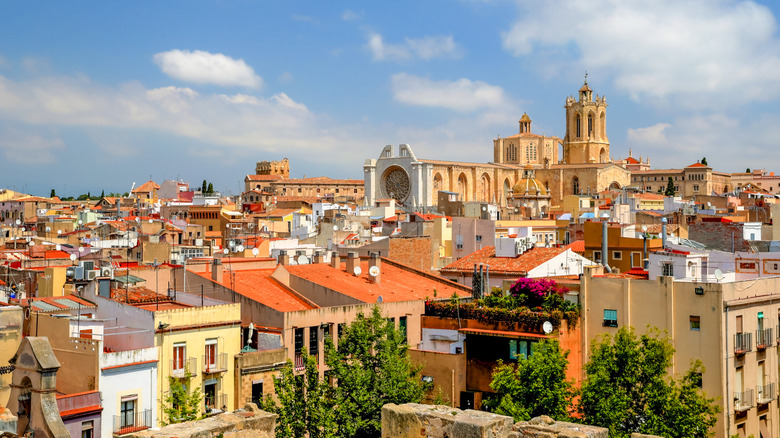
x,y
88,265
106,272
92,274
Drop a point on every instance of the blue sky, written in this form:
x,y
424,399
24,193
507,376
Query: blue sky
x,y
98,95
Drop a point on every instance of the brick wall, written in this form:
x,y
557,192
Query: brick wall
x,y
412,251
718,235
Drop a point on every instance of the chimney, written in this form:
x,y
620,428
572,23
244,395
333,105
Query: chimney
x,y
284,257
216,270
335,260
374,261
605,244
352,261
319,257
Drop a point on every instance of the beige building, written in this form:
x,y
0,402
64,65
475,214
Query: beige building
x,y
585,167
693,180
729,326
758,178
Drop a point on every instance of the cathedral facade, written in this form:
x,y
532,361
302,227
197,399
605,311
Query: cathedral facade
x,y
584,167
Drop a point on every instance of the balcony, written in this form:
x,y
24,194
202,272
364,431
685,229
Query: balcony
x,y
299,364
743,400
132,422
766,393
215,402
764,339
215,364
179,370
743,343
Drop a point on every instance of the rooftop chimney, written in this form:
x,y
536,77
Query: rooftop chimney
x,y
335,260
216,270
373,261
284,257
352,261
319,257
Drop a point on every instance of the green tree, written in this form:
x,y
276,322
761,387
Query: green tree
x,y
747,170
181,404
535,386
203,188
669,187
210,189
704,161
372,367
102,194
53,194
302,403
627,389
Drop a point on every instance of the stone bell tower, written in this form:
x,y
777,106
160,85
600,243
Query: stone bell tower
x,y
586,128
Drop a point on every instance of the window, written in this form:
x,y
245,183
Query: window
x,y
695,187
478,238
127,410
739,324
610,318
179,359
313,341
299,190
667,269
87,429
617,255
597,256
210,359
695,322
402,327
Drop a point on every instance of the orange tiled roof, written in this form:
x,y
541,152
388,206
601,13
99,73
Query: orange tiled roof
x,y
577,246
146,187
397,282
632,160
505,265
259,286
264,177
321,180
697,164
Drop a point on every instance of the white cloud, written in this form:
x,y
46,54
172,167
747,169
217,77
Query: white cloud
x,y
651,135
460,95
207,68
29,148
349,15
698,53
285,77
427,47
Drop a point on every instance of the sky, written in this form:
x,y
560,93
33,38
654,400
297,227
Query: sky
x,y
100,95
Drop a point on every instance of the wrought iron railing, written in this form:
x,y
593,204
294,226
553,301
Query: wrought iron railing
x,y
215,364
132,421
743,343
743,400
764,339
299,364
179,369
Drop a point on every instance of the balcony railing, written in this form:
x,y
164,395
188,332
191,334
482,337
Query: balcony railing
x,y
743,400
766,393
215,402
764,339
743,343
179,370
131,422
299,364
215,364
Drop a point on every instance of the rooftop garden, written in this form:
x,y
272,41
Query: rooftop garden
x,y
529,303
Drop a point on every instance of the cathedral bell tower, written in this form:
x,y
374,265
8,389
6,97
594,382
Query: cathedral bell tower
x,y
586,128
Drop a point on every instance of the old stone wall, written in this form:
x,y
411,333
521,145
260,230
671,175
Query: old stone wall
x,y
249,422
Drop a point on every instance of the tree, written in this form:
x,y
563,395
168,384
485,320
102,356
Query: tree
x,y
669,187
627,389
535,386
372,367
180,404
203,188
210,189
53,194
747,170
102,194
303,406
704,161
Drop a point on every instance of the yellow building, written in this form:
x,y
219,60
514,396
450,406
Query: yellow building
x,y
201,341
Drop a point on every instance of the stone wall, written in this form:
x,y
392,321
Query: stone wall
x,y
426,421
243,423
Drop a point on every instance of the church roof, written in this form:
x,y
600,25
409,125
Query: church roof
x,y
632,160
529,186
697,164
525,118
585,87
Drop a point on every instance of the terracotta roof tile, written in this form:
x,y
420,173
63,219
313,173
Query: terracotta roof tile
x,y
259,286
146,187
508,265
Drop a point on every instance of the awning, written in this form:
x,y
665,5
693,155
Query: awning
x,y
501,333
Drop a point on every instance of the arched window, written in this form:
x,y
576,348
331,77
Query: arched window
x,y
579,128
590,124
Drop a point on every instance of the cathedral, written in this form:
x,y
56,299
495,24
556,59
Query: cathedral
x,y
526,167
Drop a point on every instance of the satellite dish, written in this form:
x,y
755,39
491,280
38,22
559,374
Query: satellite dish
x,y
709,204
547,327
380,299
373,271
533,239
644,228
484,208
18,222
48,229
240,248
138,220
81,249
303,260
73,257
58,247
335,228
59,232
255,252
718,274
151,221
357,271
32,243
225,251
